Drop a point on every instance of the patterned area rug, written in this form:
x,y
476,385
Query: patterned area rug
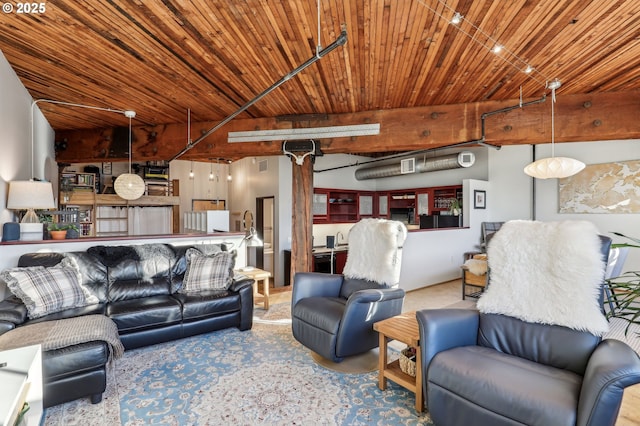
x,y
257,377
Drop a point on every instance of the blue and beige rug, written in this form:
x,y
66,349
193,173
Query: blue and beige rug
x,y
257,377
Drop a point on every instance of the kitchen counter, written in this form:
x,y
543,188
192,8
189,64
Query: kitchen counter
x,y
324,249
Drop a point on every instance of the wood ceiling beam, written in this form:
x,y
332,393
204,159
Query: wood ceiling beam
x,y
584,117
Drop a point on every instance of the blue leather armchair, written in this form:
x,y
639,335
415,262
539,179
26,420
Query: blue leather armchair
x,y
493,369
488,369
333,315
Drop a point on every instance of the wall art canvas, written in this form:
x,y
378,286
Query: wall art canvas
x,y
602,188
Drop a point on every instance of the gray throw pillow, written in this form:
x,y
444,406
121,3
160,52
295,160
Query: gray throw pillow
x,y
208,272
47,290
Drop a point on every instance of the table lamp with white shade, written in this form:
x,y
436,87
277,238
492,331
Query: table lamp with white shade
x,y
30,195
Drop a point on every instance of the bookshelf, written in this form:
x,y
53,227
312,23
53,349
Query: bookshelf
x,y
78,197
108,215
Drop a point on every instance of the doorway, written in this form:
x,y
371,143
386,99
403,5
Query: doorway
x,y
265,255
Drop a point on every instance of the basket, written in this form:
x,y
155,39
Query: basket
x,y
408,361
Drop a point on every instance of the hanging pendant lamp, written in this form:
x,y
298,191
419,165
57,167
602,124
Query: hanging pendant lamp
x,y
128,185
554,167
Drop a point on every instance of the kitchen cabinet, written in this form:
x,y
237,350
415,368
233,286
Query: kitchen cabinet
x,y
349,206
443,197
340,261
422,202
320,205
365,205
383,205
329,261
341,206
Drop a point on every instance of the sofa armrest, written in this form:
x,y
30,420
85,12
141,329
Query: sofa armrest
x,y
442,329
365,307
315,284
13,310
612,367
375,295
6,326
241,281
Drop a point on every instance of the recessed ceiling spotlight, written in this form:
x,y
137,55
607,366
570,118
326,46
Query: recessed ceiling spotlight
x,y
457,18
528,69
497,48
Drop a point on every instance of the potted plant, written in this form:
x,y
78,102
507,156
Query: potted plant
x,y
455,207
624,292
58,231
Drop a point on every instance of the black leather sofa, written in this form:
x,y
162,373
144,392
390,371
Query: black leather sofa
x,y
138,288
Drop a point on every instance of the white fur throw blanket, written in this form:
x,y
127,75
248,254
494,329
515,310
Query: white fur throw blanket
x,y
548,273
375,248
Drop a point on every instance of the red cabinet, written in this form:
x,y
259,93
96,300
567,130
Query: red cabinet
x,y
341,260
349,206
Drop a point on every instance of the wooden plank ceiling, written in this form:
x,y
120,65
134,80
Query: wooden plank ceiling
x,y
163,58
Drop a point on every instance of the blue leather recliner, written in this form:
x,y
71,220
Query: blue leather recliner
x,y
333,315
493,369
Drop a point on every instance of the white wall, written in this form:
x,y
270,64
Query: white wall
x,y
343,178
15,127
200,187
249,183
512,190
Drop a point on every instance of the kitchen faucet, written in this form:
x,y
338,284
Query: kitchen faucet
x,y
338,235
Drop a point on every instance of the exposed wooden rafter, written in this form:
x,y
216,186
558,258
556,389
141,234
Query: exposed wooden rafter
x,y
403,60
578,118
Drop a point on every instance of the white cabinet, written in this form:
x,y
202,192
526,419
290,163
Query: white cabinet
x,y
21,378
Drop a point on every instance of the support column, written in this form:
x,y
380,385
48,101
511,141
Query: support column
x,y
302,221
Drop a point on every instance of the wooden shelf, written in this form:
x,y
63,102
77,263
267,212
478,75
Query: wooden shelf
x,y
394,373
144,201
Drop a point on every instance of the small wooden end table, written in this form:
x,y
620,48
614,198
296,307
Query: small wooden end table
x,y
258,275
403,328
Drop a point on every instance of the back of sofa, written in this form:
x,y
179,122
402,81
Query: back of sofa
x,y
136,271
92,271
115,273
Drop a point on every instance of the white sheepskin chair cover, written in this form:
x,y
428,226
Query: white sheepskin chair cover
x,y
548,273
375,251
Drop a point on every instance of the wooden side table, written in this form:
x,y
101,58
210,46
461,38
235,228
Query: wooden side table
x,y
403,328
258,275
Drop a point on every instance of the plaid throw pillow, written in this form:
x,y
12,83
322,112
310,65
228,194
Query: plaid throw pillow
x,y
213,272
48,290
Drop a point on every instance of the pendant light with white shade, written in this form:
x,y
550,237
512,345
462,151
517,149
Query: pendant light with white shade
x,y
128,185
554,167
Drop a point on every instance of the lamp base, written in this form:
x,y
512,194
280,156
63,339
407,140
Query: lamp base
x,y
31,231
30,217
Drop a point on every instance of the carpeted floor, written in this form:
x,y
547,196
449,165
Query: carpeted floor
x,y
258,377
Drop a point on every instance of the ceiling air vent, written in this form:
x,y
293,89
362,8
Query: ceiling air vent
x,y
408,165
263,165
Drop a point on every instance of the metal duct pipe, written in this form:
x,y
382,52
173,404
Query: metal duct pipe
x,y
445,162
